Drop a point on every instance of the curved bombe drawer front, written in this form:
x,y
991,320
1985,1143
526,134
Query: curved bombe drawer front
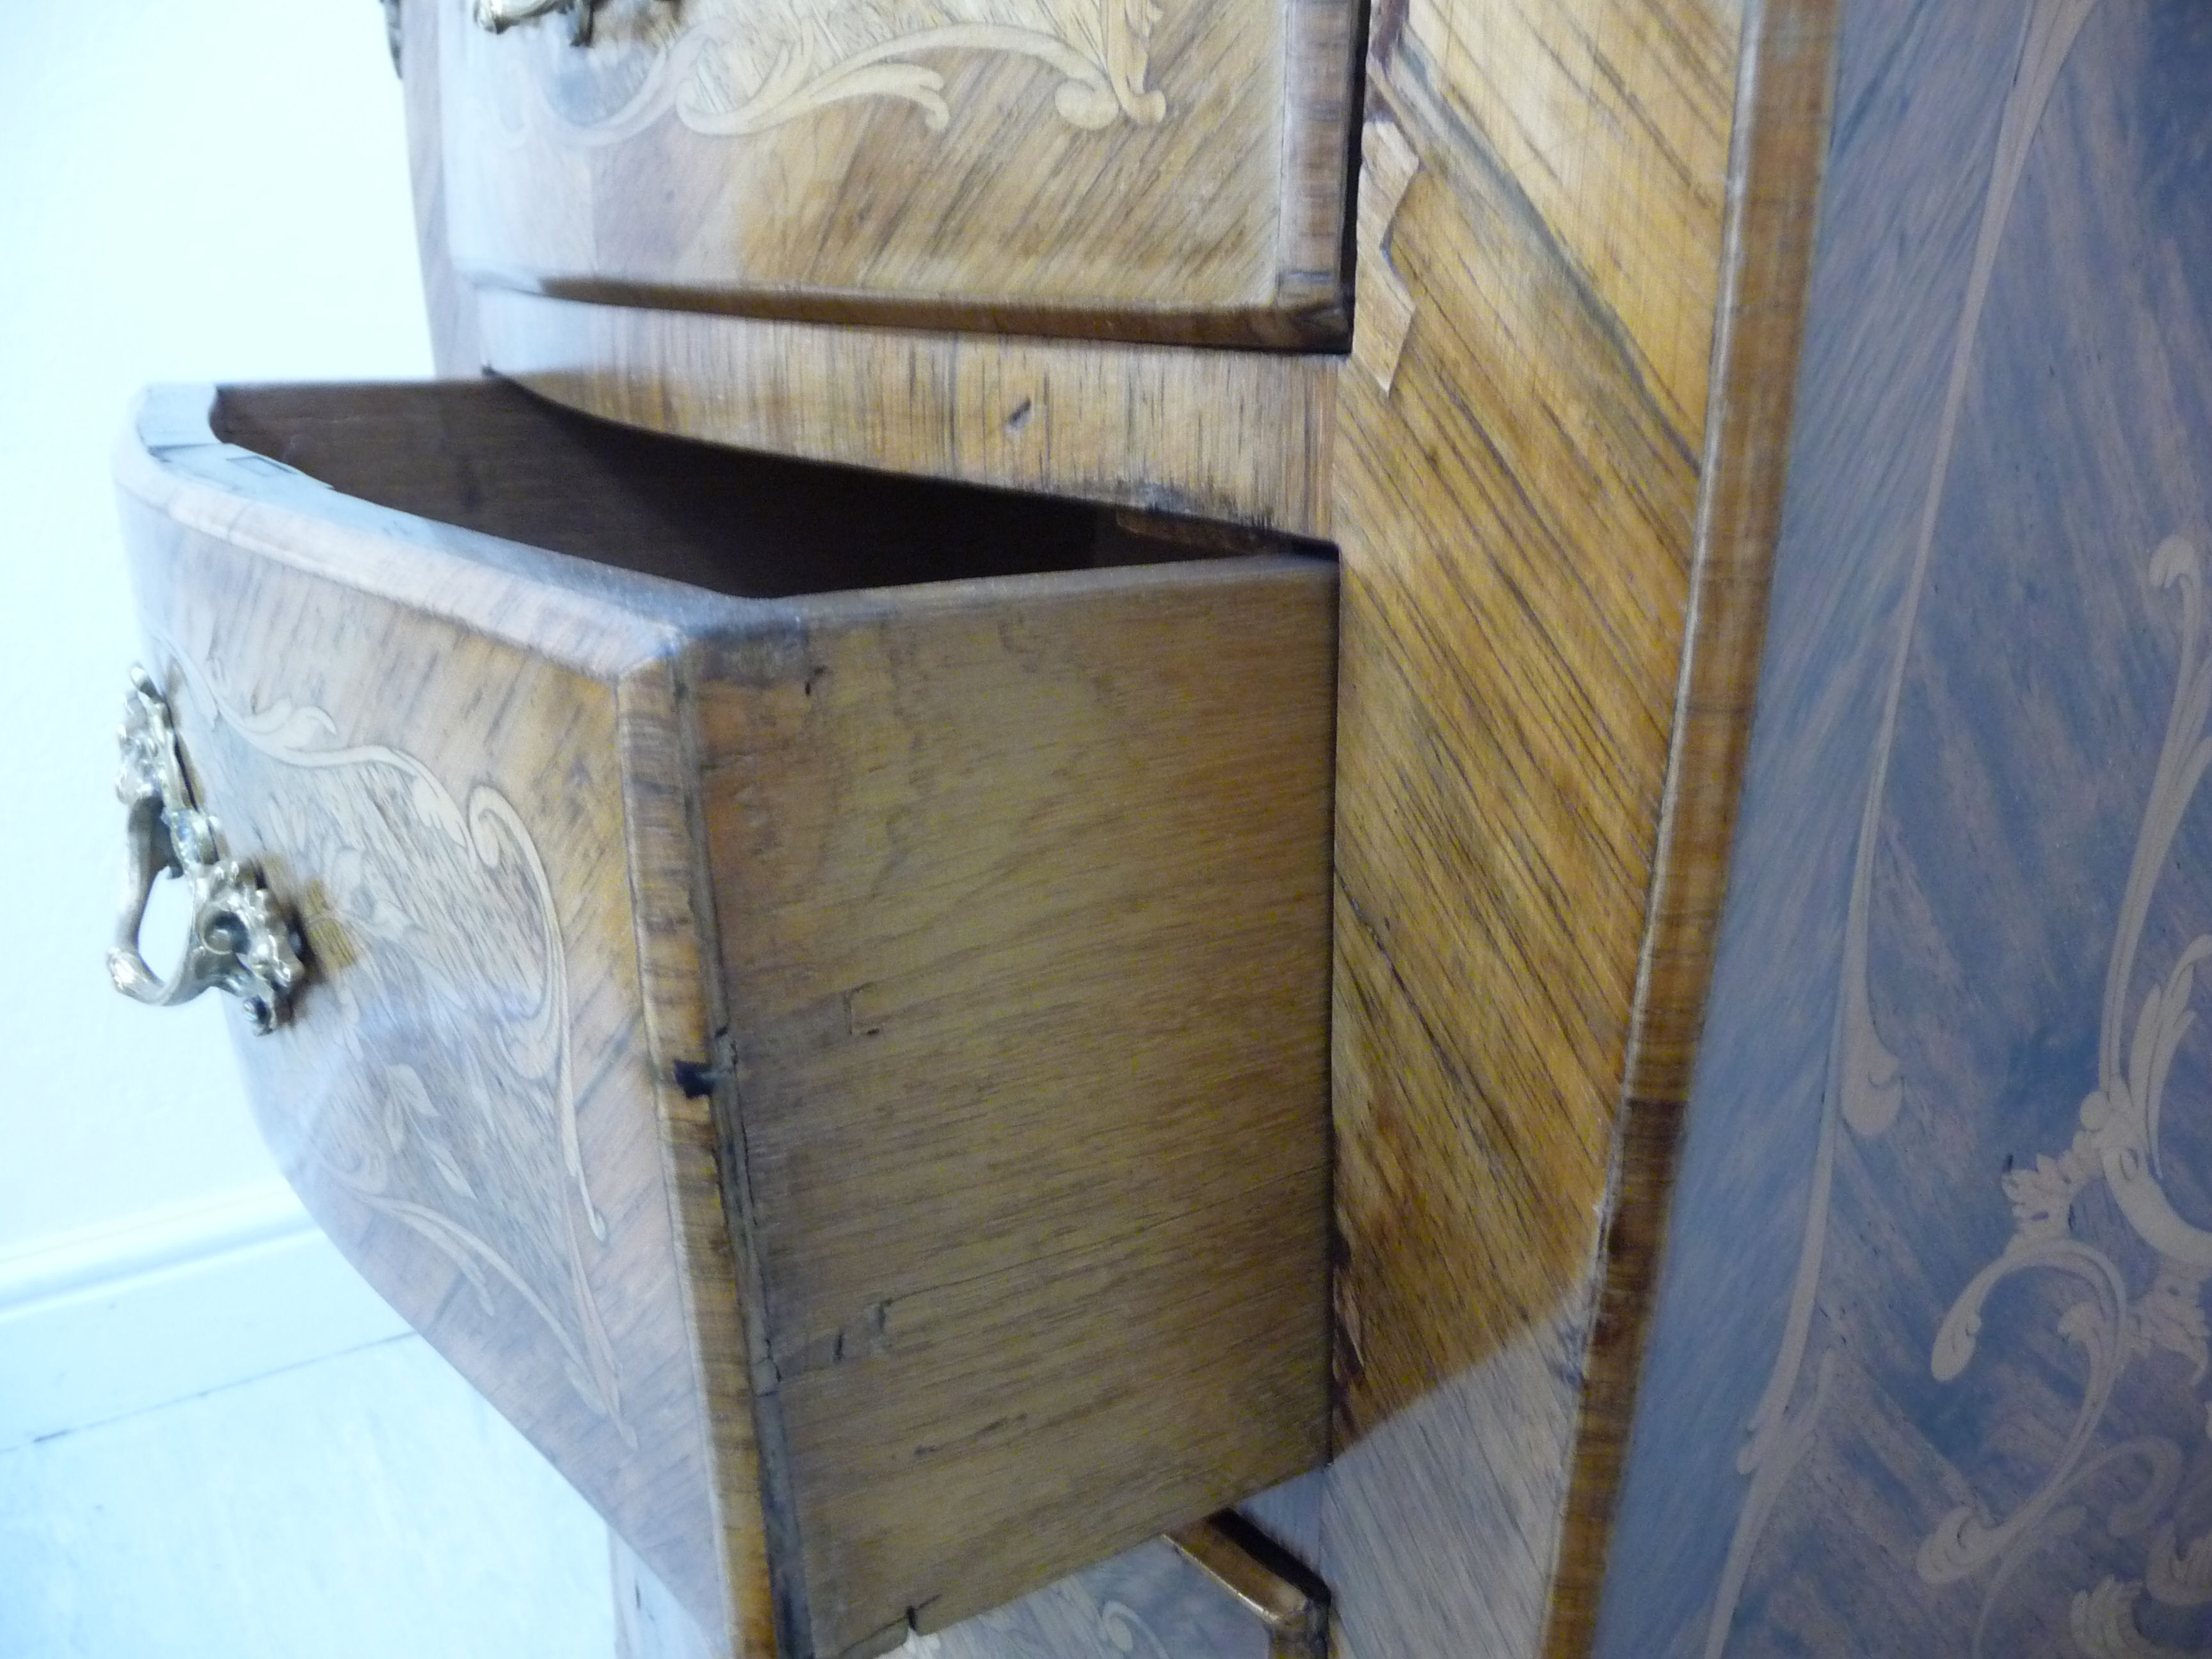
x,y
843,1071
1142,169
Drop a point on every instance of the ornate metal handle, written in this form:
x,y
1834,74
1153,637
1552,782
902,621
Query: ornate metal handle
x,y
240,940
500,15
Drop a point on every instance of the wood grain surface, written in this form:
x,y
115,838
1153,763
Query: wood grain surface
x,y
1026,892
1237,436
1242,436
1780,144
468,1104
1926,1373
1169,172
1551,461
1515,577
845,1072
1766,1237
1553,485
1773,1236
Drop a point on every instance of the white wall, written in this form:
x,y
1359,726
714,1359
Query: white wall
x,y
198,190
199,1456
189,190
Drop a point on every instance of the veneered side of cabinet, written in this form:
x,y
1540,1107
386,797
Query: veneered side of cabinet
x,y
1927,1374
467,781
1557,451
1024,907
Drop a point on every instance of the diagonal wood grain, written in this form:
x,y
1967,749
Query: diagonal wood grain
x,y
1168,170
1555,487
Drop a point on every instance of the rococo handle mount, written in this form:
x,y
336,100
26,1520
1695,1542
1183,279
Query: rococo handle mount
x,y
240,940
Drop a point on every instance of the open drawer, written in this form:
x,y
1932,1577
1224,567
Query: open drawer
x,y
812,993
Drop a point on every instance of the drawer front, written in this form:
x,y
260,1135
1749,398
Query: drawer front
x,y
1150,169
465,1092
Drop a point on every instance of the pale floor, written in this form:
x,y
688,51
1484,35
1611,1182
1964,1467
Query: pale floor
x,y
370,1505
365,1506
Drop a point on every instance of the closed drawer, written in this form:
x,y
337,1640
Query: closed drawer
x,y
814,992
1168,170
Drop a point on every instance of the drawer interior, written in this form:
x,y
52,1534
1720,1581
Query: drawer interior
x,y
488,456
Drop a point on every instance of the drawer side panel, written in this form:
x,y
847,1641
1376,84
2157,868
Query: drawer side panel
x,y
1023,896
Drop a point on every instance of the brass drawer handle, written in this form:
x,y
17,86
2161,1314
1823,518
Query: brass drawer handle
x,y
240,939
500,15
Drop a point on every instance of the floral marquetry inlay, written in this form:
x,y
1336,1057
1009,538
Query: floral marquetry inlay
x,y
2116,1323
431,1069
725,68
1995,1370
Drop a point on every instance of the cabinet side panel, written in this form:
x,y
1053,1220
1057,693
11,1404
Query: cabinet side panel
x,y
1520,436
466,1099
1926,1371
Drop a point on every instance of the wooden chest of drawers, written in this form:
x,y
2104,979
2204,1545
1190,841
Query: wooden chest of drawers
x,y
1892,1069
845,1072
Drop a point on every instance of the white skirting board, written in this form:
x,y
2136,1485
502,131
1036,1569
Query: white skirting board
x,y
160,1306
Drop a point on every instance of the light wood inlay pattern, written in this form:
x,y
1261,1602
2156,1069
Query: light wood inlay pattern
x,y
1925,1373
1136,169
515,697
1551,461
1930,1338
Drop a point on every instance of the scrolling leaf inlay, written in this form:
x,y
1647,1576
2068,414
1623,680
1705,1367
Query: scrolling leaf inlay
x,y
732,68
1865,1089
2117,1144
440,1089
